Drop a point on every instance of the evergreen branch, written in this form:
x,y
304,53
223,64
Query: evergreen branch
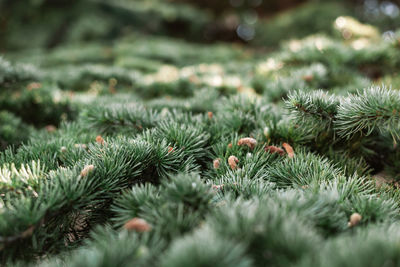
x,y
317,107
377,108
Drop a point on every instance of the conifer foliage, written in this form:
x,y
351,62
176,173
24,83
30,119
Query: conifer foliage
x,y
153,151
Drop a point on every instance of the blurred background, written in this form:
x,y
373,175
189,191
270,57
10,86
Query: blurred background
x,y
57,57
50,23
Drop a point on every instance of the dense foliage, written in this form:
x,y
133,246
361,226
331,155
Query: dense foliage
x,y
147,150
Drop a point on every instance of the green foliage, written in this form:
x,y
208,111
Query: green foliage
x,y
303,170
174,209
381,241
128,250
203,248
263,230
376,108
143,150
12,130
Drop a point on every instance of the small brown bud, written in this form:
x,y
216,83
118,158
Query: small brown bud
x,y
86,170
100,140
233,161
289,150
274,149
210,115
355,218
308,78
216,163
248,141
137,225
230,145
